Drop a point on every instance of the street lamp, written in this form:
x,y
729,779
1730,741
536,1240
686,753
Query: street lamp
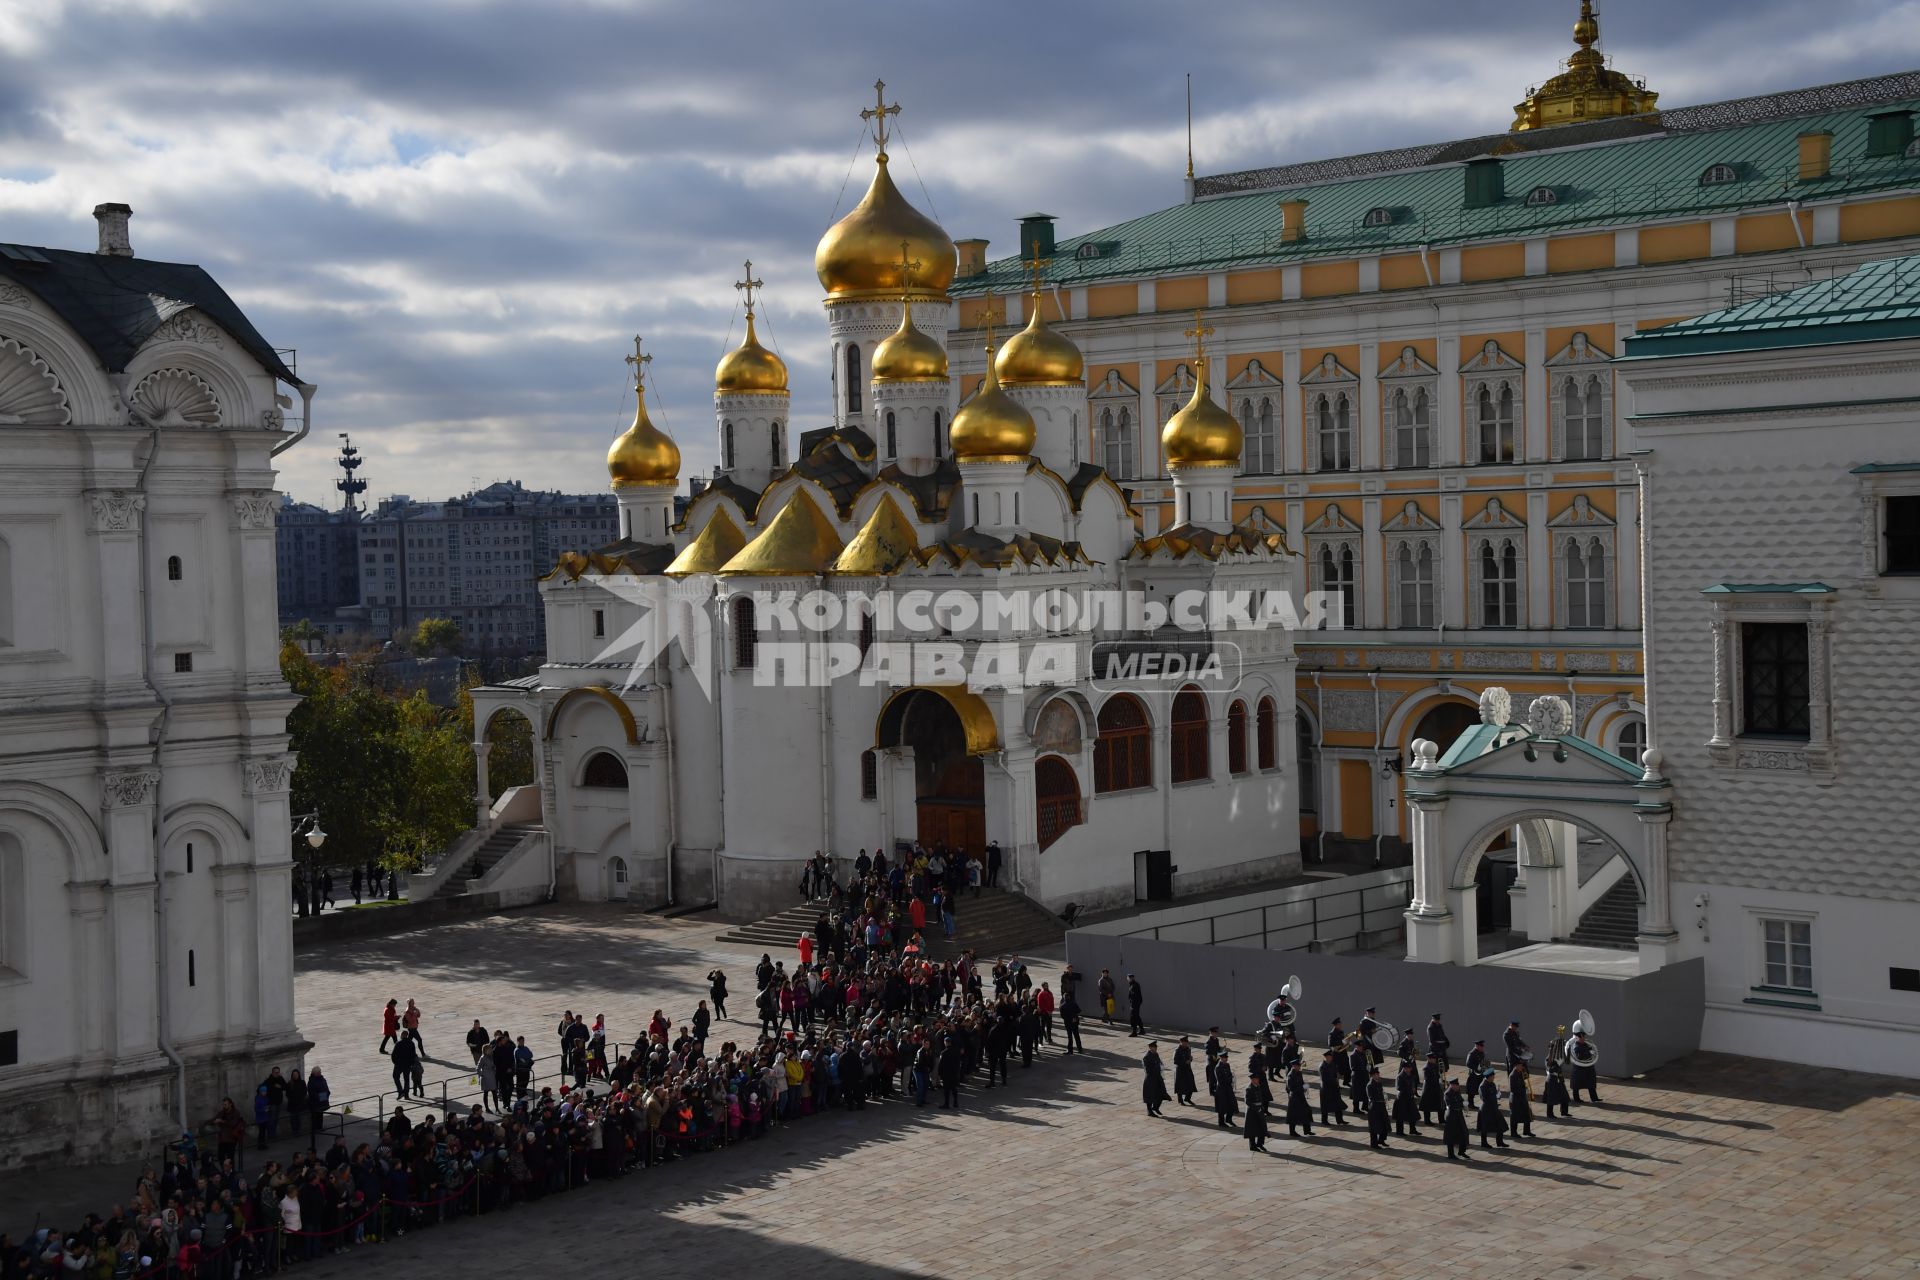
x,y
308,824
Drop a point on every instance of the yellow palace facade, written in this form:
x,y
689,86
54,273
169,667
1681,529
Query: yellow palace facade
x,y
1418,344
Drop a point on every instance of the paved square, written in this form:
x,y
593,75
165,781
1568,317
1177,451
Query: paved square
x,y
1714,1167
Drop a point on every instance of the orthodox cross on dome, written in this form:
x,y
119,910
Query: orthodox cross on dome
x,y
986,317
639,361
878,113
746,286
908,263
1036,269
1200,332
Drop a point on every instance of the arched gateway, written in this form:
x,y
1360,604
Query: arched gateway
x,y
1537,783
947,729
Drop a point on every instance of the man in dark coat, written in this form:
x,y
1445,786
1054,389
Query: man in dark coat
x,y
1298,1112
1519,1108
1337,1041
1184,1086
1587,1077
1070,1022
1406,1101
1358,1064
993,864
1136,1027
1153,1090
1476,1059
1285,1058
1225,1101
1437,1042
1517,1049
1366,1029
1455,1127
1256,1126
1491,1121
950,1075
1555,1094
1333,1109
1029,1033
1433,1091
1377,1112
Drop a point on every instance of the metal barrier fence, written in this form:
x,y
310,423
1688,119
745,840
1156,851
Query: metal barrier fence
x,y
1341,916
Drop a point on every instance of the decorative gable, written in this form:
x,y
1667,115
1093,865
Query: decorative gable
x,y
1329,370
1411,519
1408,365
1490,359
1495,516
1113,385
1577,352
1254,376
1580,515
1178,383
1333,520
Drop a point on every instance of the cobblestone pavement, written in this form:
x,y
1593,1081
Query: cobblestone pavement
x,y
1712,1167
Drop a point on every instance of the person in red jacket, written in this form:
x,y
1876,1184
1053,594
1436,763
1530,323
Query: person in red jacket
x,y
1043,1002
805,946
389,1025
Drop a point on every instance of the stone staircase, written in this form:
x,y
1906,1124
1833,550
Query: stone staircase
x,y
1613,920
996,923
482,860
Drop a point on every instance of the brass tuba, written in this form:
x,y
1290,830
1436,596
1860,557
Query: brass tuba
x,y
1583,1053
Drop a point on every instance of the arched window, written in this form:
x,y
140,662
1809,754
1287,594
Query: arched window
x,y
604,770
939,437
1379,216
174,570
1413,572
1336,575
1056,798
1412,428
1633,740
853,377
1266,738
866,633
1123,751
1333,416
1582,417
1307,765
1237,737
869,775
1496,422
746,635
1259,453
1499,568
1190,763
1116,442
1543,195
1586,569
1718,175
893,443
726,444
779,447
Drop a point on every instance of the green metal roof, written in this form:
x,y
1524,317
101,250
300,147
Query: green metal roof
x,y
1881,468
1874,302
1602,176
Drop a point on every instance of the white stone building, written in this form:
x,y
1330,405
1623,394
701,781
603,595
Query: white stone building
x,y
1781,481
146,962
704,781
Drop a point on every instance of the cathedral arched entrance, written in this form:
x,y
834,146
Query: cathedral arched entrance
x,y
946,730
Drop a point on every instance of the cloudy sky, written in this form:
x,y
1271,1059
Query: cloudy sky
x,y
460,211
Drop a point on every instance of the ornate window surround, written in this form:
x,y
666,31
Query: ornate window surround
x,y
1495,370
1411,374
1495,526
1334,532
1808,603
1576,362
1878,482
1332,380
1581,523
1257,389
1112,395
1411,530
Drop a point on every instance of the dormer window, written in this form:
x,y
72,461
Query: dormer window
x,y
1381,216
1719,175
1913,150
1543,195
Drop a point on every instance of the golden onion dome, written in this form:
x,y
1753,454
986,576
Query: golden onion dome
x,y
643,454
750,368
860,256
908,355
991,427
1201,434
1038,355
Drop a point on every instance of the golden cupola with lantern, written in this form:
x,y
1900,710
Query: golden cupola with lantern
x,y
1588,89
643,465
991,427
1039,355
750,403
909,355
750,369
1201,434
860,255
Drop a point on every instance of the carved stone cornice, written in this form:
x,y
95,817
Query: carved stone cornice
x,y
253,509
115,510
12,295
128,788
1769,373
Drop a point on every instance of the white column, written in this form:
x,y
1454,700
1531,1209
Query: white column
x,y
1369,392
1446,397
1539,563
1430,922
1659,940
1626,552
1538,446
267,784
1453,569
127,824
482,801
1293,428
1373,566
1149,418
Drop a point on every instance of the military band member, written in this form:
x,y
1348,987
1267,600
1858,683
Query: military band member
x,y
1455,1128
1183,1083
1587,1077
1257,1062
1153,1089
1333,1108
1337,1041
1555,1092
1290,1055
1213,1044
1256,1126
1519,1109
1517,1050
1557,1045
1376,1108
1491,1121
1406,1101
1226,1102
1358,1063
1408,1053
1476,1059
1299,1114
1366,1029
1437,1042
1433,1090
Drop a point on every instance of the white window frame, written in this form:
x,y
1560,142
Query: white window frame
x,y
1495,371
1476,550
1758,918
1585,541
1505,430
1420,429
1397,583
1328,422
1120,440
1727,747
1259,416
1875,488
1598,424
1338,546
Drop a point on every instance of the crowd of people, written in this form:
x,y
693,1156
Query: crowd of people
x,y
1350,1078
865,1016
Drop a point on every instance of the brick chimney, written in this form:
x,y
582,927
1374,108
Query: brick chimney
x,y
113,229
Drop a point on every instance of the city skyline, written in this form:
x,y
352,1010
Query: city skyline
x,y
458,217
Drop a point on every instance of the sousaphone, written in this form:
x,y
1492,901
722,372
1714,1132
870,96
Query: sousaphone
x,y
1282,1012
1587,1054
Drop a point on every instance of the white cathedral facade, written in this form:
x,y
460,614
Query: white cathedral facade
x,y
738,751
146,957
